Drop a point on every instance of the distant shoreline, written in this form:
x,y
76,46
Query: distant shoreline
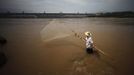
x,y
67,15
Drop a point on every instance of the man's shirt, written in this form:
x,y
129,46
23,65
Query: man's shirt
x,y
89,42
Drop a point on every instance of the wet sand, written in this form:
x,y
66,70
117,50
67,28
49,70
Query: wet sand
x,y
49,47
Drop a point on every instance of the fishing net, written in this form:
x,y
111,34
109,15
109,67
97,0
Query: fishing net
x,y
60,28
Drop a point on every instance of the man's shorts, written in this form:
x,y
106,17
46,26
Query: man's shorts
x,y
89,50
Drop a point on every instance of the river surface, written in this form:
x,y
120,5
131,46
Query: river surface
x,y
51,47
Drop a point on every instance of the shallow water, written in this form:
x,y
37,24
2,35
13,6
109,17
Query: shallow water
x,y
29,54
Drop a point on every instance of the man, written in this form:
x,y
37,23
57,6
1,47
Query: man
x,y
89,42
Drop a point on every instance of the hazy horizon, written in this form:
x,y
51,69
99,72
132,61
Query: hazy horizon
x,y
66,6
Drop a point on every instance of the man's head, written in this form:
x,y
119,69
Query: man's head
x,y
87,33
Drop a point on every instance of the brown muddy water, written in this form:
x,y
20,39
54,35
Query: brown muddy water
x,y
49,47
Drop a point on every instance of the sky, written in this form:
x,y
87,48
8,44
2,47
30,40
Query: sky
x,y
66,6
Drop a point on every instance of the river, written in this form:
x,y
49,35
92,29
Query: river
x,y
49,47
